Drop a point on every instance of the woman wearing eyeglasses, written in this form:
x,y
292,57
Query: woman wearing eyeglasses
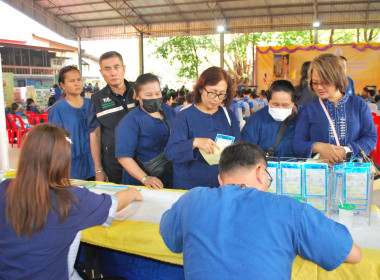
x,y
71,114
196,128
352,126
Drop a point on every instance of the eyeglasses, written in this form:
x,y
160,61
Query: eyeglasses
x,y
212,95
315,84
270,180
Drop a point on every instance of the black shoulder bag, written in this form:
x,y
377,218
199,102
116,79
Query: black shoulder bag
x,y
270,151
159,166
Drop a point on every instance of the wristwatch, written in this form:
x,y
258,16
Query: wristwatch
x,y
348,152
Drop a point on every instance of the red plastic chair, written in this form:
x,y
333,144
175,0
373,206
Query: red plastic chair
x,y
33,118
44,117
9,129
15,130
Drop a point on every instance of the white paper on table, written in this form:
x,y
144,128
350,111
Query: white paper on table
x,y
155,203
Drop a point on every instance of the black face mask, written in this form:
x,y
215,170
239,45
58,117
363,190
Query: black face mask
x,y
152,105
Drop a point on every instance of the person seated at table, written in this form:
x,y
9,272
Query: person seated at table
x,y
196,128
71,113
353,129
42,214
239,231
142,135
30,106
272,127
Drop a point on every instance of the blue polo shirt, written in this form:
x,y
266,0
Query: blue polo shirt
x,y
139,134
232,232
262,129
74,120
48,254
189,167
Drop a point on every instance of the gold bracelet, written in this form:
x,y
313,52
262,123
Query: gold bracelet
x,y
143,179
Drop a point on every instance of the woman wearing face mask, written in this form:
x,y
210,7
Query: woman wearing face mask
x,y
263,128
352,126
143,133
196,128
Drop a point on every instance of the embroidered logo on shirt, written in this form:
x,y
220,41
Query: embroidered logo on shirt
x,y
107,103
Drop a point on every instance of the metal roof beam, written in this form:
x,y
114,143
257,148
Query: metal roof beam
x,y
43,16
217,12
123,16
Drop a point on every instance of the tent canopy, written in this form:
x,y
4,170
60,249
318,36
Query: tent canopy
x,y
120,19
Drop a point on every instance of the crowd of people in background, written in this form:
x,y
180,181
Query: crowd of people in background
x,y
144,134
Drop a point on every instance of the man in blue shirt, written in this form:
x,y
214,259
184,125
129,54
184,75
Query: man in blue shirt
x,y
239,231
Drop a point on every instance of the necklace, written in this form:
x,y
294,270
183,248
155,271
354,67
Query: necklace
x,y
243,186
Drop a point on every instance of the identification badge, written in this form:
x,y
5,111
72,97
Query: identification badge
x,y
224,140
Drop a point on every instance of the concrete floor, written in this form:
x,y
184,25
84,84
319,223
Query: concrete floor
x,y
14,154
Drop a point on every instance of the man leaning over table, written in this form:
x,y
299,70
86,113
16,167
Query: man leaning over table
x,y
239,231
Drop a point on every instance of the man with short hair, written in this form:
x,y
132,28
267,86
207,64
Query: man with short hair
x,y
107,108
239,231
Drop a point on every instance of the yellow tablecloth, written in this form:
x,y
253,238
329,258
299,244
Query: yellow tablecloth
x,y
142,238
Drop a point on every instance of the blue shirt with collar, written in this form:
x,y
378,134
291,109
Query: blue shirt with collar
x,y
74,120
189,167
353,123
235,233
262,129
139,134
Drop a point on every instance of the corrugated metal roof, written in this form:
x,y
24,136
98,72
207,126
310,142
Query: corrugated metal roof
x,y
104,19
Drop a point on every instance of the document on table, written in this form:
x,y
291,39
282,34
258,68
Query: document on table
x,y
155,203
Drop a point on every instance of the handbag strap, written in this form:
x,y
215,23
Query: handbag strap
x,y
165,118
227,115
280,135
330,121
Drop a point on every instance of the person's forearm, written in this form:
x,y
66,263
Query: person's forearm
x,y
95,144
130,165
355,255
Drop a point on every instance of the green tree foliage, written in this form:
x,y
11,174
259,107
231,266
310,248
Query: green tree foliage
x,y
185,50
288,38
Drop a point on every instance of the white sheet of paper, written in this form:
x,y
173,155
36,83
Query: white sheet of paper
x,y
155,203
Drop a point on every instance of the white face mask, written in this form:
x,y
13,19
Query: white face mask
x,y
279,114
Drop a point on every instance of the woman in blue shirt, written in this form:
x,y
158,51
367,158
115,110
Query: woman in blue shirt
x,y
263,127
143,134
196,128
351,116
42,215
71,114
